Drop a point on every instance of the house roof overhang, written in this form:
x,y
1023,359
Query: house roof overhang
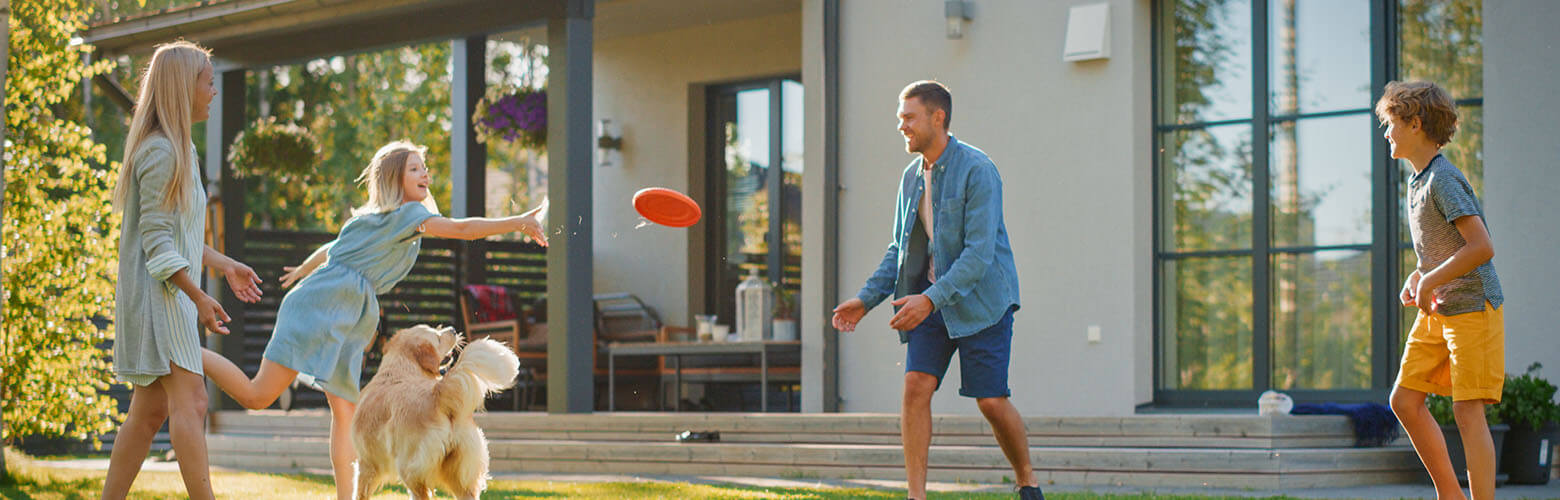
x,y
251,33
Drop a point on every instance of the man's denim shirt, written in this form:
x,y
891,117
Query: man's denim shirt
x,y
976,279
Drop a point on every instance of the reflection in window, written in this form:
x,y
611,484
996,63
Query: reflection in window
x,y
1443,41
1207,330
1316,260
1321,185
1315,59
1206,61
1321,320
1208,182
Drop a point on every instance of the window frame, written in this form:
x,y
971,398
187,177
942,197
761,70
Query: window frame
x,y
1384,246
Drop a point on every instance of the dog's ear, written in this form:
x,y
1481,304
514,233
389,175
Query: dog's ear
x,y
427,357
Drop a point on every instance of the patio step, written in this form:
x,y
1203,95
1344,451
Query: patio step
x,y
1303,467
1155,450
1146,431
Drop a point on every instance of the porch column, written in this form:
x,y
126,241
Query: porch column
x,y
468,158
820,207
570,307
223,125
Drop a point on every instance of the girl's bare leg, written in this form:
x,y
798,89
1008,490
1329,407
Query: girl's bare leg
x,y
148,411
186,392
342,453
253,394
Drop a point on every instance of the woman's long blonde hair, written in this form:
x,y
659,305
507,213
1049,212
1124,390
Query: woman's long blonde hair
x,y
164,106
384,175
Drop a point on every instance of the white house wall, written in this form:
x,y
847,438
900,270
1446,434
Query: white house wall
x,y
1520,151
1072,141
642,82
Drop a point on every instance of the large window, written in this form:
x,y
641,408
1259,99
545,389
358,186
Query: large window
x,y
757,208
1279,230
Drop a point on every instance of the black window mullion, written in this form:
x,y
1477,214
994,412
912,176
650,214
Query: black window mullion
x,y
1156,10
1385,323
1261,320
1203,254
1320,114
776,187
1319,248
1171,127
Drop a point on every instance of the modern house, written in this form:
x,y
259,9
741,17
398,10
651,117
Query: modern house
x,y
1201,203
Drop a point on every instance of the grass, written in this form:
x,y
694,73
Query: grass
x,y
34,479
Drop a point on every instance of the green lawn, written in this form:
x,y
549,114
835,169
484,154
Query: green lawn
x,y
34,480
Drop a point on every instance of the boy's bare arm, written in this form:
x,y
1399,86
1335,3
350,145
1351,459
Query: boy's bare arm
x,y
1477,249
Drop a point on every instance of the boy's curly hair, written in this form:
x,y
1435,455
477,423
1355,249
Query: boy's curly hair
x,y
1428,102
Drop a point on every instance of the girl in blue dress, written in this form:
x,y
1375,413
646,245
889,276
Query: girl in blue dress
x,y
327,322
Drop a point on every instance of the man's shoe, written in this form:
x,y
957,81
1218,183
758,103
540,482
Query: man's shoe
x,y
1030,493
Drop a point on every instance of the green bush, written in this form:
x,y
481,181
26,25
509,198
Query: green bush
x,y
1529,400
1441,409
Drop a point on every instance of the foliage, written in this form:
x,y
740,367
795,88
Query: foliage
x,y
352,104
271,149
1441,409
517,175
1528,399
785,301
60,236
514,114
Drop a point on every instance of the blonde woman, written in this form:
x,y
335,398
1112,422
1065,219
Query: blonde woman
x,y
327,322
159,308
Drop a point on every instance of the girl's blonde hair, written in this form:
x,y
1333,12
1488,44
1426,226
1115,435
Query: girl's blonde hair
x,y
384,176
164,106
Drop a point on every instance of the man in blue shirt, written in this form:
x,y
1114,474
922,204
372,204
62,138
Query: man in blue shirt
x,y
950,269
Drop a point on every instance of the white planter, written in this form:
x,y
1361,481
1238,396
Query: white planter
x,y
785,329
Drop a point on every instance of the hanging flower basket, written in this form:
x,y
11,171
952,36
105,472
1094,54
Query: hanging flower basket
x,y
271,149
513,114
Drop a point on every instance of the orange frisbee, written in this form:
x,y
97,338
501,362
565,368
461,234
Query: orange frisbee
x,y
667,207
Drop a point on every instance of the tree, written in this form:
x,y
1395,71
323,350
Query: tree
x,y
59,234
5,41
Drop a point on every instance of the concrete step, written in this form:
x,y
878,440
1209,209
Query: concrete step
x,y
1301,467
1146,431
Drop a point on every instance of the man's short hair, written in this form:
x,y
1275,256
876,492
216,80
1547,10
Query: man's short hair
x,y
933,95
1428,102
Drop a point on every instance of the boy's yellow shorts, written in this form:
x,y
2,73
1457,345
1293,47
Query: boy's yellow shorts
x,y
1462,356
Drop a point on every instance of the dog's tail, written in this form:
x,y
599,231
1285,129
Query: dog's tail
x,y
484,367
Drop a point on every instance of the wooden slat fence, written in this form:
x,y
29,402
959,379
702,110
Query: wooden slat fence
x,y
430,293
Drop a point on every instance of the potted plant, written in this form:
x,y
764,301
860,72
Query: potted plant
x,y
283,151
785,313
1528,405
1441,410
512,114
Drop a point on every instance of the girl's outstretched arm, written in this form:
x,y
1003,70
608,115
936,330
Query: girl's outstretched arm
x,y
294,273
473,228
476,228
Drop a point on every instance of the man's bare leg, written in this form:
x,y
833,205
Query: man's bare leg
x,y
1008,426
915,429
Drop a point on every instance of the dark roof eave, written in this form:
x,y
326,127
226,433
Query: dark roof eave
x,y
258,32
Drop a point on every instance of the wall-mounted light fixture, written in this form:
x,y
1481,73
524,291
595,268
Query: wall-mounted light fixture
x,y
609,143
957,12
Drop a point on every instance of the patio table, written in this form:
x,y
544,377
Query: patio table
x,y
677,350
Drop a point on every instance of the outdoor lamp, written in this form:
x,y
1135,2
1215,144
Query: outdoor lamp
x,y
957,12
609,143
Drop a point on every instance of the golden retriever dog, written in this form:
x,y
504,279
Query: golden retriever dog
x,y
415,424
